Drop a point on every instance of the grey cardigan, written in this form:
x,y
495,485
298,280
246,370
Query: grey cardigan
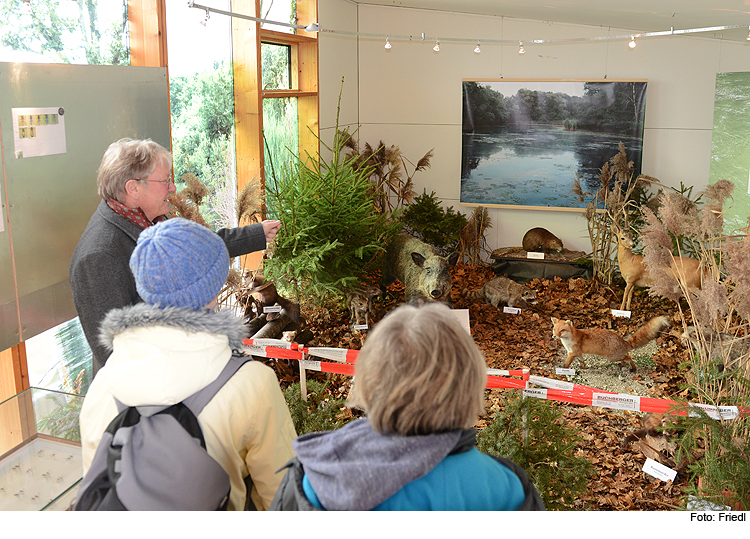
x,y
100,276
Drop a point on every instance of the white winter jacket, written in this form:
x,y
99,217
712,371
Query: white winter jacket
x,y
162,356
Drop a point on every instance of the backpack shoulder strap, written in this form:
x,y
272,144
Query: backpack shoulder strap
x,y
198,400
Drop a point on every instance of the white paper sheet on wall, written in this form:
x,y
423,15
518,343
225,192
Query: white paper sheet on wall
x,y
38,131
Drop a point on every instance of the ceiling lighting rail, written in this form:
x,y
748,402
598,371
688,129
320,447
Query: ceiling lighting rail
x,y
315,27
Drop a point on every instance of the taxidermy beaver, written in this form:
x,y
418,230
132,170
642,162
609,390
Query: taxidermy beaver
x,y
541,239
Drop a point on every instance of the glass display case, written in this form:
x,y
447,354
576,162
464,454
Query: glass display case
x,y
40,450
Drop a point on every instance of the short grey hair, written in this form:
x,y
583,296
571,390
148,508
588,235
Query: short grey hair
x,y
128,159
420,372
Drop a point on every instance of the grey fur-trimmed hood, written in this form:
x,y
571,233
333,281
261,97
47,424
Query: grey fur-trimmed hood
x,y
144,315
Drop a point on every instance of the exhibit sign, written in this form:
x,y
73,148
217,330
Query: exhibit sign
x,y
38,131
525,142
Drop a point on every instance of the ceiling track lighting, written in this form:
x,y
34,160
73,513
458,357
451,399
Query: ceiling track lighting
x,y
477,49
315,27
204,20
387,43
436,48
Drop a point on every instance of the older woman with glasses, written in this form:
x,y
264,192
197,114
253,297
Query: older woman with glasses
x,y
134,183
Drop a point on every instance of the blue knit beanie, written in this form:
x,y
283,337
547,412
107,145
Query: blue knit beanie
x,y
179,263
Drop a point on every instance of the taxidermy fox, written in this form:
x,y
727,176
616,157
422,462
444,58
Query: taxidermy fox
x,y
604,342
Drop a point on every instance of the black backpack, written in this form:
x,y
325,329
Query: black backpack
x,y
153,458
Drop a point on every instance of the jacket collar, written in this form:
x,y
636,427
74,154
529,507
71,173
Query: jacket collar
x,y
144,315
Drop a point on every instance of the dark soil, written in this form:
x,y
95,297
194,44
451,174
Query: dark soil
x,y
511,341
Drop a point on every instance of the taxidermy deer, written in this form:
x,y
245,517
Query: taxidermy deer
x,y
635,273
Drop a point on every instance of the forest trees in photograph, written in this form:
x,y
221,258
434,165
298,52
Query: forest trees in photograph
x,y
524,143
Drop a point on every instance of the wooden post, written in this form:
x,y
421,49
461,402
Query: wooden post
x,y
14,414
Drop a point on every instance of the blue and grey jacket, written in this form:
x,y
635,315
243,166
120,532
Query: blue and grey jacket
x,y
356,468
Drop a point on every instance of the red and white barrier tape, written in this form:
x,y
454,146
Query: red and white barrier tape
x,y
555,390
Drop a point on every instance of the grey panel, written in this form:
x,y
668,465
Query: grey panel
x,y
52,197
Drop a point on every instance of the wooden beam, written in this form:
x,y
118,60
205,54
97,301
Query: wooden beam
x,y
14,372
147,21
14,412
248,104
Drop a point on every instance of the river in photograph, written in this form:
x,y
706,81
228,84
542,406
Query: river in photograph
x,y
537,165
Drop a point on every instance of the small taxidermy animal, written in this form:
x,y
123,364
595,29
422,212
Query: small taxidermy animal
x,y
359,303
266,295
604,342
502,290
541,239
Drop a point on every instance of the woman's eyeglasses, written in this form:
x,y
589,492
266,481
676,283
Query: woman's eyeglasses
x,y
165,182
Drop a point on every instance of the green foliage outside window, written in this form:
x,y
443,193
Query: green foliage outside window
x,y
82,32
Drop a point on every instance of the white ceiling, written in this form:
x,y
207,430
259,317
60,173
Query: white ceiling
x,y
633,15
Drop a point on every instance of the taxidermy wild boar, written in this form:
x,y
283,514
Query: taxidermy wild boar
x,y
423,272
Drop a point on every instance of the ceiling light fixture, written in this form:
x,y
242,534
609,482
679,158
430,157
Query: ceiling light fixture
x,y
204,20
521,50
387,43
632,43
436,48
477,49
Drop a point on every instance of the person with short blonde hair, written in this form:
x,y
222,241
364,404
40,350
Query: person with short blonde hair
x,y
416,362
420,379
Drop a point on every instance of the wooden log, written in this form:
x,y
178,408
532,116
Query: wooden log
x,y
273,329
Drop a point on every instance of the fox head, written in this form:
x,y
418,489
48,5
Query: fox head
x,y
561,328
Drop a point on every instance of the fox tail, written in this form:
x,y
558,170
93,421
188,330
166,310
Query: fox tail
x,y
649,331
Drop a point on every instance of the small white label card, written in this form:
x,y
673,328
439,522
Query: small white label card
x,y
512,310
566,372
272,309
537,256
462,315
361,326
622,314
549,382
658,470
309,365
277,343
619,401
536,393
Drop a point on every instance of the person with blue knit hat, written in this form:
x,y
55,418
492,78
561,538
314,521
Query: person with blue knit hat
x,y
173,344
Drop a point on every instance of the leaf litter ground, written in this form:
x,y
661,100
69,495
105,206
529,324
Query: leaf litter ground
x,y
513,341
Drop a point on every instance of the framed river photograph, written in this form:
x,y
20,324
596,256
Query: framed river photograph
x,y
524,142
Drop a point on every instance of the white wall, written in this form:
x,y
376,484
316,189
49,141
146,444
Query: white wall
x,y
410,96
